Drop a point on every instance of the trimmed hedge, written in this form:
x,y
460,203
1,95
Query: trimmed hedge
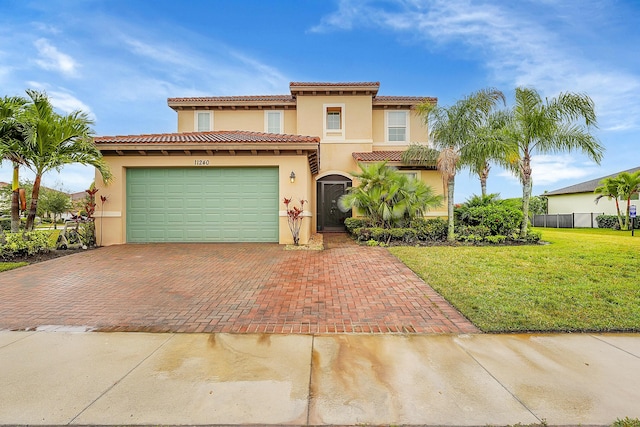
x,y
498,219
608,221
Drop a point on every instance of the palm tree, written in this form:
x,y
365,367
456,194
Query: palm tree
x,y
387,197
456,134
609,188
53,140
628,185
11,139
548,127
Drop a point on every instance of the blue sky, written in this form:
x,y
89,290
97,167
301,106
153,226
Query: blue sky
x,y
120,60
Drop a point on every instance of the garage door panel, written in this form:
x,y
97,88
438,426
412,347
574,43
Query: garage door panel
x,y
174,203
202,204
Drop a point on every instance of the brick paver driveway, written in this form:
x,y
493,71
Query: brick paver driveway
x,y
232,287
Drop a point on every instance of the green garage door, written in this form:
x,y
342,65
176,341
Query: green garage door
x,y
202,205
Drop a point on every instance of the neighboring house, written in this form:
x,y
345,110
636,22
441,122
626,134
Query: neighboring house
x,y
580,198
224,174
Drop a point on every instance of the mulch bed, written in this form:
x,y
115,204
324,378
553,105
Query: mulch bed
x,y
45,256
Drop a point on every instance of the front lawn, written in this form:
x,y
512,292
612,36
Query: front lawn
x,y
584,280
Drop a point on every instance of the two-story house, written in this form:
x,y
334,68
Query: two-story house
x,y
223,175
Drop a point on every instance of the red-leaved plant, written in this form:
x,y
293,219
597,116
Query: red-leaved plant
x,y
294,218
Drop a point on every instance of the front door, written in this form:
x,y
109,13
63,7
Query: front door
x,y
329,190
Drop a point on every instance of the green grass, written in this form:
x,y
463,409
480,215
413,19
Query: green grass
x,y
5,266
584,280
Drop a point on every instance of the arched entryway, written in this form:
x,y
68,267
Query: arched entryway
x,y
329,189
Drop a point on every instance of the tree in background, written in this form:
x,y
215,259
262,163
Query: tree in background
x,y
547,127
458,135
54,202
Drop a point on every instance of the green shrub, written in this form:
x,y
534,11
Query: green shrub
x,y
496,239
25,243
499,219
608,221
5,224
533,236
430,230
352,223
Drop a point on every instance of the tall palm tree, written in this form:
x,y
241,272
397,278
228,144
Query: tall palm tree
x,y
492,147
609,188
11,139
53,140
547,127
455,134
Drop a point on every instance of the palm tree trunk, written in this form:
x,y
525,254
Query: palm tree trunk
x,y
626,218
484,176
451,227
619,213
34,203
527,187
15,200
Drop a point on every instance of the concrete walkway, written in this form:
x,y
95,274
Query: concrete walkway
x,y
65,377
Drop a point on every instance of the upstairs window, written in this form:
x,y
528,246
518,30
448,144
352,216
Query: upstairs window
x,y
334,122
334,118
203,121
273,121
397,126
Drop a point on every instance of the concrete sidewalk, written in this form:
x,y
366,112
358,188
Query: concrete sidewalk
x,y
66,377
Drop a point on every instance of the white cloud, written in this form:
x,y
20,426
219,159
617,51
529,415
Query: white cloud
x,y
550,169
67,103
521,45
50,58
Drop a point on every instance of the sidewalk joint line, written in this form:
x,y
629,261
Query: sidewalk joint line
x,y
27,335
121,378
502,385
615,346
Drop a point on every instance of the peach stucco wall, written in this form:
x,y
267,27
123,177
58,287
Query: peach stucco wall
x,y
248,120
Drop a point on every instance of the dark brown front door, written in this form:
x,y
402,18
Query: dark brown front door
x,y
330,188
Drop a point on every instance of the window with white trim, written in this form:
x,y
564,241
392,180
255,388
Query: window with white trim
x,y
273,122
203,121
397,125
333,121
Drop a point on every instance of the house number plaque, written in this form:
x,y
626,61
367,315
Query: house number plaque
x,y
200,162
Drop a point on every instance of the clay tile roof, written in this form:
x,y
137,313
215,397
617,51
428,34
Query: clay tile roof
x,y
207,137
378,156
249,98
334,84
381,100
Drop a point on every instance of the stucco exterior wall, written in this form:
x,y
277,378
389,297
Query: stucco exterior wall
x,y
580,203
357,115
111,223
418,132
249,120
